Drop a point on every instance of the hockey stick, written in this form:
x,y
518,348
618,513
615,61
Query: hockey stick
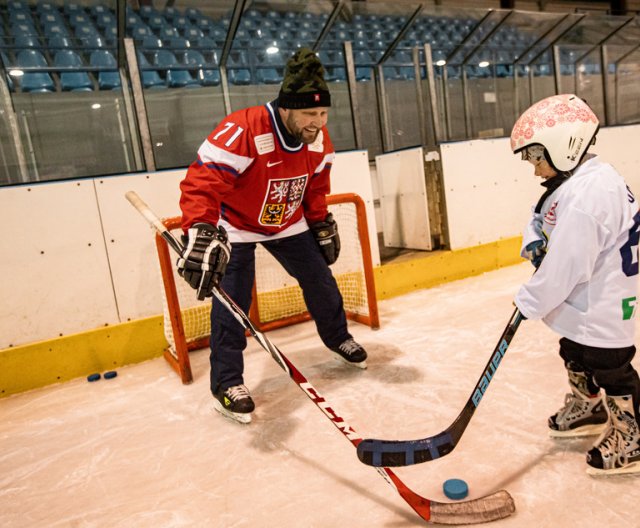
x,y
408,452
489,508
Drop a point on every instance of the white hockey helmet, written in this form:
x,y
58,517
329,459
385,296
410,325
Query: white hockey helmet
x,y
563,124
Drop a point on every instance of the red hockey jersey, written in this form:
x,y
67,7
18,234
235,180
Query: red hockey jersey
x,y
247,175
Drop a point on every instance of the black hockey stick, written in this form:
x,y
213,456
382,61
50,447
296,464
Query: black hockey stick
x,y
396,453
489,508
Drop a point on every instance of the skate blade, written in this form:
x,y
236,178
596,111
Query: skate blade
x,y
362,365
586,430
243,418
634,467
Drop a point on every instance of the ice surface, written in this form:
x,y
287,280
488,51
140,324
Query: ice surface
x,y
142,450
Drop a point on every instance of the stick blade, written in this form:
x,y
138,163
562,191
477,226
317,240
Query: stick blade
x,y
498,505
401,453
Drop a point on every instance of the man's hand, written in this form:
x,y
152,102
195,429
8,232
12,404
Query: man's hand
x,y
326,234
205,257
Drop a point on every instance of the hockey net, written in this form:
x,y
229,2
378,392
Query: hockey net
x,y
277,299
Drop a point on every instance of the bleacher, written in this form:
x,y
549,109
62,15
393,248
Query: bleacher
x,y
72,47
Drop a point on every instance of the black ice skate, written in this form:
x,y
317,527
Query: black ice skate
x,y
351,353
617,450
235,403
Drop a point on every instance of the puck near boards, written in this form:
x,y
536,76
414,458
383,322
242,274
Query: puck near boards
x,y
455,489
93,377
110,374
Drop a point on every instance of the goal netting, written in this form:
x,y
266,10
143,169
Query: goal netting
x,y
277,299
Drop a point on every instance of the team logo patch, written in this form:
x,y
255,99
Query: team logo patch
x,y
282,200
264,143
550,217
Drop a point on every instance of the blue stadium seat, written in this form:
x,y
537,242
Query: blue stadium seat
x,y
79,19
193,33
268,76
147,11
167,33
59,42
151,43
205,23
26,41
54,30
364,64
193,13
206,77
253,14
337,74
179,43
73,9
218,33
139,32
34,81
105,20
157,22
150,78
107,80
240,76
76,81
171,12
391,73
99,10
175,78
238,67
181,23
208,48
22,29
89,37
133,19
17,5
20,17
45,6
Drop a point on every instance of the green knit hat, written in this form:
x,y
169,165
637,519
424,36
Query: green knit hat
x,y
304,85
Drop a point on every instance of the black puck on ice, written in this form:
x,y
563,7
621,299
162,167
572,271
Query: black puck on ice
x,y
111,374
93,377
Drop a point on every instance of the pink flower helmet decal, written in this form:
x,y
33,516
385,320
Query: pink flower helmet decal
x,y
563,124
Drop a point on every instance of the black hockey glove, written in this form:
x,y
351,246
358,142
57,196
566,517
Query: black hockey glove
x,y
326,234
205,257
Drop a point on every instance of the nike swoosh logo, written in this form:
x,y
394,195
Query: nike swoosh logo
x,y
269,164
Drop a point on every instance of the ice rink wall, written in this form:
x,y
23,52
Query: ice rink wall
x,y
81,289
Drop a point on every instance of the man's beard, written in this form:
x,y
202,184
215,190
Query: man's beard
x,y
298,134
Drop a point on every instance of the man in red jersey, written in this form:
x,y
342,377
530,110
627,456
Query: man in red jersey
x,y
262,176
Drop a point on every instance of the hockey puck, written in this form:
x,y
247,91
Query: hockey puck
x,y
111,374
455,489
93,377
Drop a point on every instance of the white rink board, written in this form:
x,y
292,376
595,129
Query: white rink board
x,y
403,199
490,192
620,146
98,264
55,274
131,241
351,174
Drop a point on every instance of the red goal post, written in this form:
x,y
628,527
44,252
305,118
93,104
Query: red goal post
x,y
277,299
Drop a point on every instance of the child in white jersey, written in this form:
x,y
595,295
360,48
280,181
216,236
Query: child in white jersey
x,y
583,238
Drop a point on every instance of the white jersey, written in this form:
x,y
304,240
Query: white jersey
x,y
586,287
